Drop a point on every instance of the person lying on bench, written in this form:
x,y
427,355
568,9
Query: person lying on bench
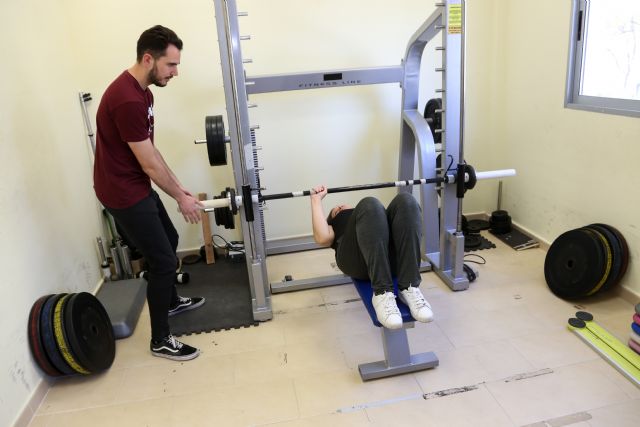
x,y
373,243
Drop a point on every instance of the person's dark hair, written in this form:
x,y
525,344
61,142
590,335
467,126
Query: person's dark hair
x,y
155,41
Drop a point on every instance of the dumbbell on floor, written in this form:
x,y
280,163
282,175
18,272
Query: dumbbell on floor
x,y
181,277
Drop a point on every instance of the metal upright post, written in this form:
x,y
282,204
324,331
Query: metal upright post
x,y
242,151
451,259
443,243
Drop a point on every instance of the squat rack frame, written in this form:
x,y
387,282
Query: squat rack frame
x,y
443,241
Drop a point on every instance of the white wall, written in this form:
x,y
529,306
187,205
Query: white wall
x,y
574,167
338,137
49,217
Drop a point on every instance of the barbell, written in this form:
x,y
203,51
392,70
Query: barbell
x,y
225,206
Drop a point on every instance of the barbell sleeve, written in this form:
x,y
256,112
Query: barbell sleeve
x,y
211,204
501,173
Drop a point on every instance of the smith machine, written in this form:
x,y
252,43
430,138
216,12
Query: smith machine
x,y
437,131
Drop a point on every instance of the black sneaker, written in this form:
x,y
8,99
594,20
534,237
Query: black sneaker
x,y
173,349
185,304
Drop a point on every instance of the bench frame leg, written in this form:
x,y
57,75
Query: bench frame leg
x,y
398,358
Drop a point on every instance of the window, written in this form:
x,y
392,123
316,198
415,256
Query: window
x,y
604,57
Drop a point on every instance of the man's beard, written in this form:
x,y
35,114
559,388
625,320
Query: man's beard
x,y
153,77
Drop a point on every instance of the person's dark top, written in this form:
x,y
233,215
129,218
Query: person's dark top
x,y
339,224
125,114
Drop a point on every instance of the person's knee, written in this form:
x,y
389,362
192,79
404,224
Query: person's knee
x,y
370,204
406,201
162,264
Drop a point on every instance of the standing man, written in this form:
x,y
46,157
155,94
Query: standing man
x,y
126,162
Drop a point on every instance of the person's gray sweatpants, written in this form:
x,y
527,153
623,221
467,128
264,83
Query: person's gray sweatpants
x,y
379,243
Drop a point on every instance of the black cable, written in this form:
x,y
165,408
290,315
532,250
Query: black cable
x,y
450,164
234,245
484,261
471,274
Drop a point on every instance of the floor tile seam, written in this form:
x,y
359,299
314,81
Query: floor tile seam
x,y
444,334
601,407
497,402
114,403
292,375
443,393
216,391
603,376
309,310
349,303
205,355
521,353
117,387
563,420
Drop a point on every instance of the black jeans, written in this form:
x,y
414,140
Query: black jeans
x,y
150,229
378,244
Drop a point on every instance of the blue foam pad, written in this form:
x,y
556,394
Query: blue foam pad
x,y
366,293
636,328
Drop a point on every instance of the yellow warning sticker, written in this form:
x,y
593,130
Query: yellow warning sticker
x,y
455,19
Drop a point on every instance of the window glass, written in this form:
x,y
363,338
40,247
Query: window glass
x,y
611,61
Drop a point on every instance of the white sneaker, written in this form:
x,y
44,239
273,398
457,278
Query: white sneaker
x,y
419,307
387,310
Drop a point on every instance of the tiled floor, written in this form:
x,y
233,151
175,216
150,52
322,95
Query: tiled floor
x,y
506,359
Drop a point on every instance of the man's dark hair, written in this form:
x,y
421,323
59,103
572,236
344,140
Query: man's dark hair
x,y
155,41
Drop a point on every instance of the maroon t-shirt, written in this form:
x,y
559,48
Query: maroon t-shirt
x,y
125,115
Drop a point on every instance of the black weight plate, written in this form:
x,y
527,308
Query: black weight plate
x,y
61,336
477,225
49,338
90,332
584,316
624,248
473,179
616,255
574,263
577,323
472,241
499,214
434,118
216,144
35,340
608,260
500,222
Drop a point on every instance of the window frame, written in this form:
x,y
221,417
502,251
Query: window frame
x,y
573,98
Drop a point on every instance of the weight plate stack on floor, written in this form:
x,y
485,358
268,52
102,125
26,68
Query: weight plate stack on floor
x,y
500,222
49,337
90,332
585,261
634,337
70,334
35,339
62,338
615,248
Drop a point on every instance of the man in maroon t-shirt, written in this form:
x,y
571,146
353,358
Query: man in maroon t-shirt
x,y
125,164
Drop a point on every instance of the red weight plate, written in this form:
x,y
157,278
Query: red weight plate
x,y
35,340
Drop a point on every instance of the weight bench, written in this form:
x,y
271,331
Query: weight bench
x,y
398,358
